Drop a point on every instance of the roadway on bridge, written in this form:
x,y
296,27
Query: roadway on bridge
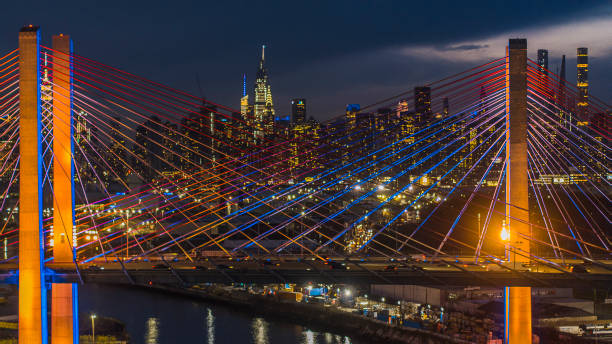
x,y
435,272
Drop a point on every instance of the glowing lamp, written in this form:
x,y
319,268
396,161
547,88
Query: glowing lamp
x,y
505,233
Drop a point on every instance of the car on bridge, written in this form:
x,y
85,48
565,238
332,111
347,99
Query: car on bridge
x,y
580,269
336,265
161,267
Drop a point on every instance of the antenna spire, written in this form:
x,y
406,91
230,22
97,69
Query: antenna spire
x,y
244,84
263,56
562,73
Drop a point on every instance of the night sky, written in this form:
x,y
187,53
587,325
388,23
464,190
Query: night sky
x,y
330,52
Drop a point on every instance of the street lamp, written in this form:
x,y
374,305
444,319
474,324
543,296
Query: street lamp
x,y
127,235
93,328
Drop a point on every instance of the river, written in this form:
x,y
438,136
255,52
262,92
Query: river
x,y
154,318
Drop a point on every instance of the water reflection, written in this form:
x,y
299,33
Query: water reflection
x,y
152,331
309,337
151,319
336,339
210,326
260,332
259,328
312,337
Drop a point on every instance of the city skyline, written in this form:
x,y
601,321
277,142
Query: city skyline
x,y
434,166
369,63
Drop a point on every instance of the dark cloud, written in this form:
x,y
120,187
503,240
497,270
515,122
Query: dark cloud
x,y
464,47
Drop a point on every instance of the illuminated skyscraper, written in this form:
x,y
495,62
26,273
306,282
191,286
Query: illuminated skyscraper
x,y
263,107
82,132
562,71
46,109
422,99
402,107
564,118
602,123
246,110
582,63
351,113
46,95
445,107
482,108
298,110
543,61
543,66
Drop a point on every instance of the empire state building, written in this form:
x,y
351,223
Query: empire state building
x,y
263,107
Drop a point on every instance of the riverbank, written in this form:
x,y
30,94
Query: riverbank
x,y
108,330
312,315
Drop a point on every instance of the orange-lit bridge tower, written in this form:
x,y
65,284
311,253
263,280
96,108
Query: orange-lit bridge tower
x,y
517,300
32,289
64,310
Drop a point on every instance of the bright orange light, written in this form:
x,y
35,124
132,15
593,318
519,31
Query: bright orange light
x,y
505,233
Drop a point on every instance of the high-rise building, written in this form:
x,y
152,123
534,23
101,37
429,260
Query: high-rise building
x,y
281,123
601,123
351,112
402,107
543,67
350,116
562,71
244,108
482,107
46,97
543,61
298,110
564,118
422,100
82,132
582,80
445,107
246,112
46,107
264,106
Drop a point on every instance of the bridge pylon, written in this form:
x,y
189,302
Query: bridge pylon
x,y
517,300
32,292
64,311
32,289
